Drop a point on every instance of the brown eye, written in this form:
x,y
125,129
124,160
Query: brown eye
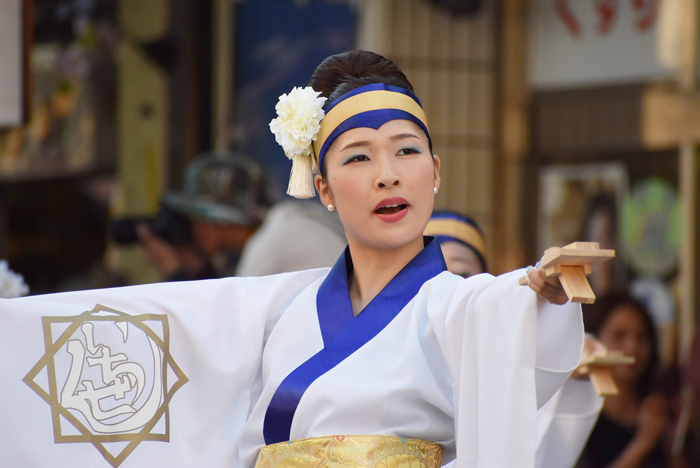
x,y
357,158
407,151
619,335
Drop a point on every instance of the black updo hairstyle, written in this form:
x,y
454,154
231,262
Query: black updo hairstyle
x,y
339,74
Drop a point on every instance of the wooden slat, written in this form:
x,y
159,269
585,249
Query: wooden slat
x,y
603,382
572,256
513,137
576,285
612,358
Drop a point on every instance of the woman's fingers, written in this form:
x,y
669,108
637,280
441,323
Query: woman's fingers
x,y
549,289
593,346
157,251
538,279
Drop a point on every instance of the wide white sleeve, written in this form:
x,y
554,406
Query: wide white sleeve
x,y
496,338
565,422
179,361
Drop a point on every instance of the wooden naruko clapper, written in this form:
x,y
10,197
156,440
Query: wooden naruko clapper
x,y
572,263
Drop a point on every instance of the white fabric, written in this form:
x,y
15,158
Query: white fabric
x,y
565,422
216,336
296,235
464,364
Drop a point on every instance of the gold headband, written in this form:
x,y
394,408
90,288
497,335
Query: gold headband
x,y
458,230
365,102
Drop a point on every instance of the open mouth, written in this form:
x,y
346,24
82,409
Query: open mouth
x,y
391,209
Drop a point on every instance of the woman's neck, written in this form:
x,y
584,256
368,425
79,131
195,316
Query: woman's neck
x,y
373,269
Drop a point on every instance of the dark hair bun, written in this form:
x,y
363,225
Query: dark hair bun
x,y
339,74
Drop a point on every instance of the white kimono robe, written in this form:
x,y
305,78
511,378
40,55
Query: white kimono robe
x,y
465,363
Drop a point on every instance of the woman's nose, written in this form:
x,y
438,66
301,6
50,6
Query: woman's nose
x,y
630,346
387,175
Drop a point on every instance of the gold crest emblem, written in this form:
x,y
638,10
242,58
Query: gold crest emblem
x,y
110,379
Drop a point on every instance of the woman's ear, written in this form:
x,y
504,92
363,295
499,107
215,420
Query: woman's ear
x,y
324,192
436,162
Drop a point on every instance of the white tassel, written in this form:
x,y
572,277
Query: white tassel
x,y
301,180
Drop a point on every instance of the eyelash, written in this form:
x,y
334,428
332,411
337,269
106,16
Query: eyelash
x,y
411,149
358,157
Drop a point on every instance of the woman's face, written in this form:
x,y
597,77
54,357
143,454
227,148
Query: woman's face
x,y
460,259
624,331
381,182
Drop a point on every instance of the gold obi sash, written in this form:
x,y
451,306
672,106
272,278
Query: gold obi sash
x,y
358,451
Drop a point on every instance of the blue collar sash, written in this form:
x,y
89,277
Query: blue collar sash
x,y
344,334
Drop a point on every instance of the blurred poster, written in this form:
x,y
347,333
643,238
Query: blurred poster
x,y
581,203
279,43
589,42
651,227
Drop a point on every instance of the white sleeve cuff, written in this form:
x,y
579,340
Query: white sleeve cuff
x,y
559,346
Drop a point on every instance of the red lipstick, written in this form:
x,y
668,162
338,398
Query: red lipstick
x,y
391,210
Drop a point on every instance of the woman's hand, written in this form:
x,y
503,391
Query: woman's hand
x,y
653,419
158,252
591,348
651,423
549,289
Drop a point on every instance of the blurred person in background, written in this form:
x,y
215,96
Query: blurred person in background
x,y
686,437
200,231
600,225
319,239
633,426
461,240
234,230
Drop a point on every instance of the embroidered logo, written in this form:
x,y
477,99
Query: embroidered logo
x,y
110,379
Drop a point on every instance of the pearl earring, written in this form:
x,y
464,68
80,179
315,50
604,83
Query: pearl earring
x,y
435,190
330,207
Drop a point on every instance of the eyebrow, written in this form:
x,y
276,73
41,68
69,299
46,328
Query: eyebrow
x,y
400,136
355,144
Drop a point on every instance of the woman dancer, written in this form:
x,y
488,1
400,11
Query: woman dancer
x,y
384,360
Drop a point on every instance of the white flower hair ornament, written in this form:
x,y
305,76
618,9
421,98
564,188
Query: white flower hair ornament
x,y
11,284
298,122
